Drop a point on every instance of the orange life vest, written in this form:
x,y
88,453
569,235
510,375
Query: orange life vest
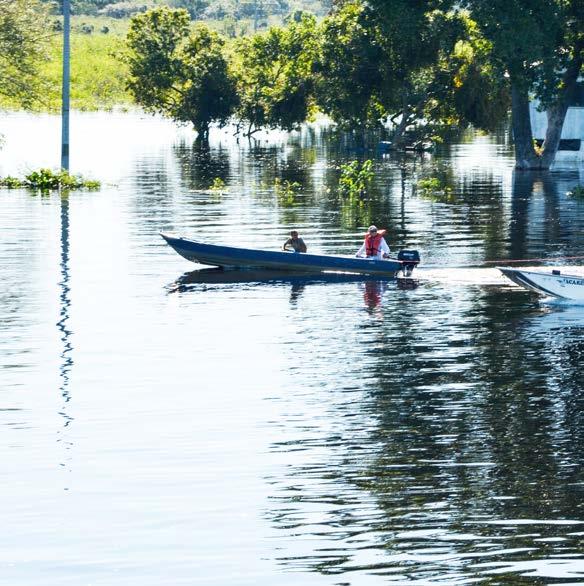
x,y
373,243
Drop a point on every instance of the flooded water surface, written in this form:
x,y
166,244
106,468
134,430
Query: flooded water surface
x,y
160,424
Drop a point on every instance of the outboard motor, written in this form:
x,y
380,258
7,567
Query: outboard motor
x,y
409,260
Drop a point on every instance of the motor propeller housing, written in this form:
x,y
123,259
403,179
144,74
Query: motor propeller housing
x,y
409,259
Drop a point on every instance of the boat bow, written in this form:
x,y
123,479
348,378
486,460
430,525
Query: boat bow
x,y
552,284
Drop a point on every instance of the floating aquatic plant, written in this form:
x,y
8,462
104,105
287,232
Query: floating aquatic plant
x,y
48,180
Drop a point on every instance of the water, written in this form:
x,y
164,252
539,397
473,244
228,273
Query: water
x,y
159,426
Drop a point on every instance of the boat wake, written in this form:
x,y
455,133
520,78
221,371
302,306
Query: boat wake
x,y
461,276
484,275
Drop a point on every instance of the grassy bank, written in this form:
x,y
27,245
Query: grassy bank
x,y
97,75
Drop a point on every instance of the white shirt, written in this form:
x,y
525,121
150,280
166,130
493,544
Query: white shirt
x,y
383,249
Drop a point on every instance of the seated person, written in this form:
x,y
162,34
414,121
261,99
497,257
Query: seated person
x,y
374,245
295,242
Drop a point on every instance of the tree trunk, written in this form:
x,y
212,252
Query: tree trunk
x,y
398,134
556,114
202,131
525,155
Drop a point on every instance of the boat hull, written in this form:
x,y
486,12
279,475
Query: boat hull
x,y
244,258
547,284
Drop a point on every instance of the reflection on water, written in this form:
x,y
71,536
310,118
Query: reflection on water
x,y
239,427
452,460
373,287
373,293
63,323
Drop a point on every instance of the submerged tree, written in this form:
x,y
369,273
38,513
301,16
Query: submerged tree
x,y
23,46
179,73
539,46
535,50
397,60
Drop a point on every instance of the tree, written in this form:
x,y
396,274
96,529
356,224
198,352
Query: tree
x,y
539,45
350,67
178,73
274,76
466,87
23,46
398,60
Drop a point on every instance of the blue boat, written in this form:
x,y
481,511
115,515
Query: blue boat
x,y
247,258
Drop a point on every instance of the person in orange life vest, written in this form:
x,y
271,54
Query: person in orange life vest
x,y
295,242
374,245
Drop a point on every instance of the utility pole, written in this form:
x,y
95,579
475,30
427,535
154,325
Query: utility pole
x,y
66,84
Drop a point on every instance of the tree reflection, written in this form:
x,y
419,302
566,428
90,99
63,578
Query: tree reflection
x,y
200,164
542,215
465,419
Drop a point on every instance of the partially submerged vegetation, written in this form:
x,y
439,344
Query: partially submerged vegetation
x,y
577,192
286,191
218,185
435,189
437,184
356,179
47,180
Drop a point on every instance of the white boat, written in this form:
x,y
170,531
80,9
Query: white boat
x,y
554,283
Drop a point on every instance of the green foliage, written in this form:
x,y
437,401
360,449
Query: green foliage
x,y
401,60
217,185
466,87
98,79
179,73
23,47
11,182
47,180
286,191
436,188
274,76
431,184
350,67
524,33
356,179
577,192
